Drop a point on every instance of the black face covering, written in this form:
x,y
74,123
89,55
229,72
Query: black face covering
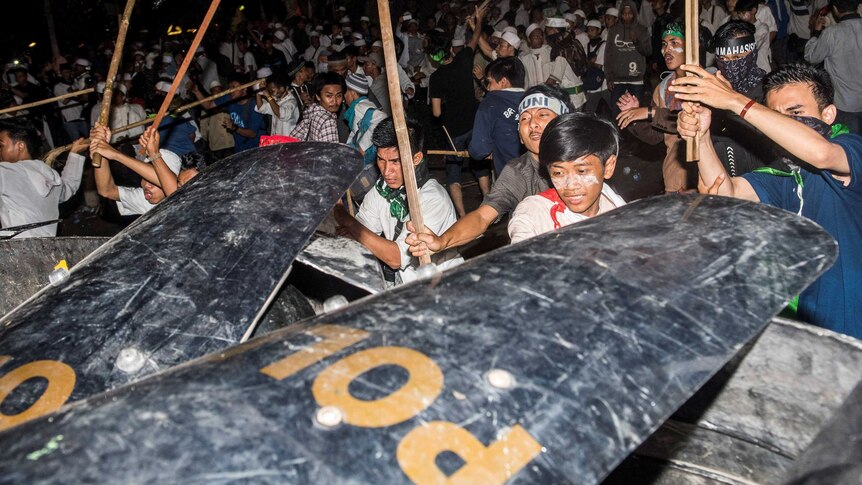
x,y
743,74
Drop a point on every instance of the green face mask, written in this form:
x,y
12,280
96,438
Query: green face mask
x,y
438,56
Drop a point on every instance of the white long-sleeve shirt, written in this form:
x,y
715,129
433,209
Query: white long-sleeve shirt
x,y
31,191
288,114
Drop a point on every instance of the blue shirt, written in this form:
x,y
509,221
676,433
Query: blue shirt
x,y
495,128
244,116
834,301
177,135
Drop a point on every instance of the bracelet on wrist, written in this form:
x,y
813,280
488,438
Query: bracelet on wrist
x,y
746,108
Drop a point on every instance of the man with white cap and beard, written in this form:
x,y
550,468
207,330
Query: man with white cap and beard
x,y
542,68
122,113
507,45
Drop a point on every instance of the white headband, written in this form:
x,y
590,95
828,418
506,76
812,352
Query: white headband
x,y
539,100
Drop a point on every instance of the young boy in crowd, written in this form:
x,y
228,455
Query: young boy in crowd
x,y
823,184
520,179
579,151
379,224
132,200
30,190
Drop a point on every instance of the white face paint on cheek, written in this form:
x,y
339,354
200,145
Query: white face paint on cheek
x,y
678,50
574,180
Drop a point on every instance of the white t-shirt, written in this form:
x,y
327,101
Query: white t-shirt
x,y
132,201
533,215
439,215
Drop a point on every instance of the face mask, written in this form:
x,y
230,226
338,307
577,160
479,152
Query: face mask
x,y
743,74
323,67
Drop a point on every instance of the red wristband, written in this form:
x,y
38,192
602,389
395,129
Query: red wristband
x,y
745,109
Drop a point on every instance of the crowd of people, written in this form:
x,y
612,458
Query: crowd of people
x,y
535,98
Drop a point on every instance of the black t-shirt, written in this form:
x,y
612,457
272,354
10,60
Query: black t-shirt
x,y
453,83
274,60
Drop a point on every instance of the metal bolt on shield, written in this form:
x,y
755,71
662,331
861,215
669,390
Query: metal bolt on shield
x,y
329,416
500,379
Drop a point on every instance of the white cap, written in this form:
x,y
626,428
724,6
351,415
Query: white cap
x,y
314,33
407,16
278,25
279,35
121,88
264,72
171,160
319,28
570,17
497,34
612,12
215,83
357,36
556,23
127,77
511,29
344,20
167,59
364,19
163,86
457,42
139,53
359,43
530,29
377,43
82,62
595,23
100,87
580,13
512,39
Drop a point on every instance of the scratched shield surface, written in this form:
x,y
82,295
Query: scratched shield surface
x,y
185,279
547,361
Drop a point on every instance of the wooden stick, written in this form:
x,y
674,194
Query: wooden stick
x,y
397,105
107,97
448,137
692,56
181,73
52,155
450,153
350,208
46,101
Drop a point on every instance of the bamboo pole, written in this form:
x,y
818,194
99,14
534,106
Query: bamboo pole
x,y
107,97
452,153
692,56
398,118
163,110
51,156
46,101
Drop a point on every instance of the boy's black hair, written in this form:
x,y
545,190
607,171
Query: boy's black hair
x,y
731,30
552,92
350,51
510,68
280,79
437,41
327,79
818,79
384,135
23,132
197,160
575,135
746,5
844,6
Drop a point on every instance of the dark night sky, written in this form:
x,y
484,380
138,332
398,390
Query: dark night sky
x,y
86,22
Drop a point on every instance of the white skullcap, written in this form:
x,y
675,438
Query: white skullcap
x,y
314,33
100,87
612,12
570,17
364,19
595,23
512,39
511,29
357,35
163,86
531,28
344,20
82,62
580,13
359,43
167,59
215,83
264,72
556,23
127,77
377,43
279,35
457,42
497,34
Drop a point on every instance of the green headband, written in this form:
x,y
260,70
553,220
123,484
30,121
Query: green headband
x,y
673,29
438,56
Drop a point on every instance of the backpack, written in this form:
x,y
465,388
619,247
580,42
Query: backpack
x,y
593,77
